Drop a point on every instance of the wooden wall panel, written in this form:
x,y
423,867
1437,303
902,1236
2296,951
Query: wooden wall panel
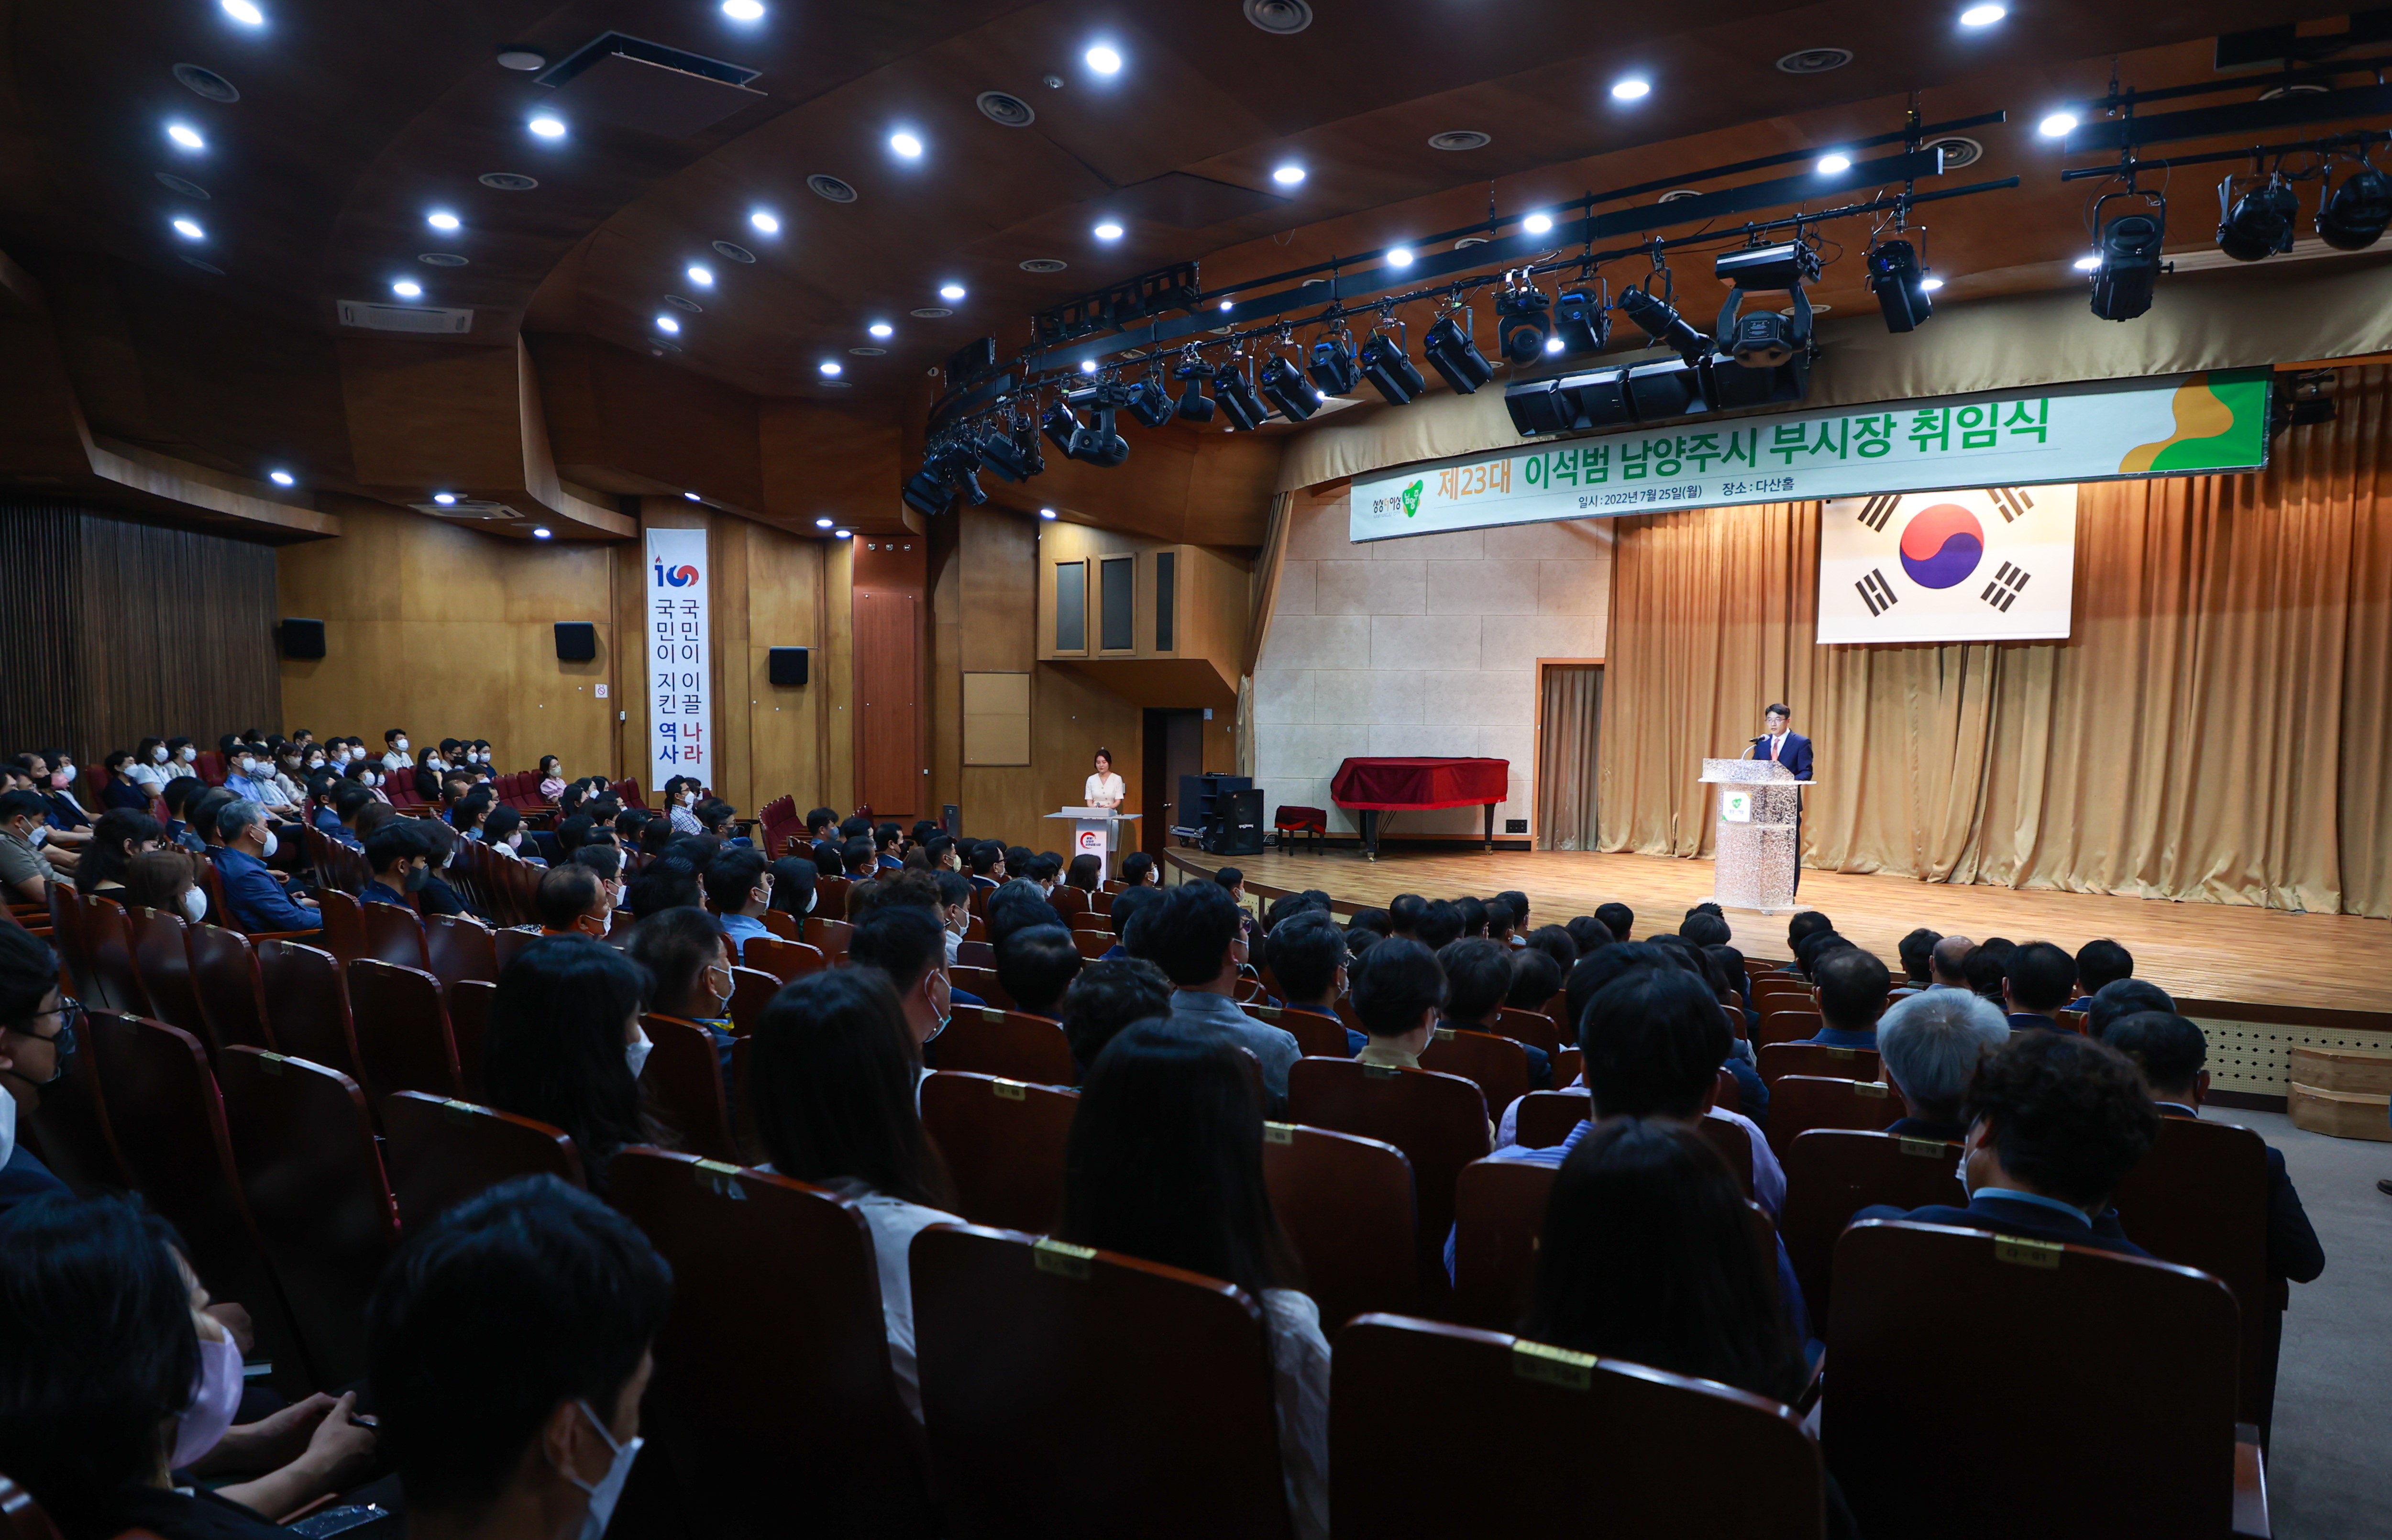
x,y
890,584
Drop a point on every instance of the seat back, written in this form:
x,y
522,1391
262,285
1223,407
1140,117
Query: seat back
x,y
1546,1117
224,970
1778,1060
684,1079
394,935
345,923
107,946
308,1003
2199,1198
469,1015
66,935
1348,1207
1317,1036
459,947
1439,1121
506,943
70,1126
751,990
162,956
1785,1026
782,1383
1833,1174
169,1122
1730,1095
1496,1064
1003,1140
402,1030
1439,1430
1092,945
1007,1043
982,982
2133,1358
786,960
1074,1385
440,1151
310,1167
1801,1102
1533,1027
1498,1217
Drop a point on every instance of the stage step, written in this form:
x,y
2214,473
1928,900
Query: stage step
x,y
2353,1070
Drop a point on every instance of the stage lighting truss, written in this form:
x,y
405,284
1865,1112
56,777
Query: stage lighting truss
x,y
2259,224
2127,246
1150,402
1097,441
1659,318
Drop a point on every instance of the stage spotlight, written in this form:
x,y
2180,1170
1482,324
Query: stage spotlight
x,y
1002,453
1762,340
1236,394
1788,265
1900,285
1097,442
1581,322
1332,365
2130,259
1453,355
1288,390
1194,405
1595,399
1390,370
1524,317
2352,217
2258,223
1060,425
1659,320
1671,387
967,487
1150,403
927,494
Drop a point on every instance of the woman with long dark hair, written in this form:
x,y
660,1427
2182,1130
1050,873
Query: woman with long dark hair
x,y
1086,872
1165,1163
121,835
564,1045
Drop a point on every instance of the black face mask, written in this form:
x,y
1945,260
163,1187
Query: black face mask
x,y
416,877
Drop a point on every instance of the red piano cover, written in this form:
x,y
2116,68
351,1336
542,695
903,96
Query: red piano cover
x,y
1390,785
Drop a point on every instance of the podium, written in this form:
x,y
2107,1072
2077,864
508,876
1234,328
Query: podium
x,y
1760,840
1096,832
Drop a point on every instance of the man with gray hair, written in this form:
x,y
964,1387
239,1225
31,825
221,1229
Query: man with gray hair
x,y
1929,1045
251,889
1947,963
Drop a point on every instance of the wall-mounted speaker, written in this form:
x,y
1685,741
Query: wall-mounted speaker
x,y
577,642
787,665
301,638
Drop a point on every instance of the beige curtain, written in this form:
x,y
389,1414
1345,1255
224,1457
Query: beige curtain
x,y
1568,718
1263,597
2217,727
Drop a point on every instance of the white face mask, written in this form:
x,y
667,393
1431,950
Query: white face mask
x,y
609,1489
515,840
201,1425
399,744
158,756
635,1053
271,843
7,1127
316,764
247,764
190,756
67,775
195,905
41,832
372,779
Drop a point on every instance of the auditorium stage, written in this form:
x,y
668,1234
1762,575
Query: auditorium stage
x,y
2258,957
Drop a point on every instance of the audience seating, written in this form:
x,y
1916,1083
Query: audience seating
x,y
1346,1205
509,943
777,1406
70,1126
441,1151
1777,1026
402,1030
394,935
1439,1431
311,1170
751,990
1317,1036
458,947
308,1003
20,1517
982,983
827,934
786,960
345,923
1003,1141
1533,1027
1010,1043
1495,1064
628,794
1439,1121
1801,1102
1546,1117
1067,902
112,983
684,1079
2126,1366
1074,1392
2199,1198
782,924
224,969
1778,1060
1567,1066
161,958
1729,1098
1499,1214
469,1014
1832,1174
1092,944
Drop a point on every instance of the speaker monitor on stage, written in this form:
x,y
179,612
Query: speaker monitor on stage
x,y
577,642
1237,828
787,665
301,639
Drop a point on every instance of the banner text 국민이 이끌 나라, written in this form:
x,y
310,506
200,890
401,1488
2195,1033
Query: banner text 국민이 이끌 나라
x,y
681,688
2176,425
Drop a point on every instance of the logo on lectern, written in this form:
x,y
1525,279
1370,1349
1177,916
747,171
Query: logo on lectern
x,y
1735,806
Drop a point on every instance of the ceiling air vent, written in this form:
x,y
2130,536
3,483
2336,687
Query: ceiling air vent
x,y
207,83
931,313
1959,151
734,251
669,92
683,302
1814,61
999,106
1281,16
209,267
188,188
476,509
1044,264
508,181
423,319
1460,138
441,259
830,188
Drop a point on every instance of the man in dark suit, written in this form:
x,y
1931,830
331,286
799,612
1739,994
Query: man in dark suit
x,y
2038,980
2055,1121
1793,751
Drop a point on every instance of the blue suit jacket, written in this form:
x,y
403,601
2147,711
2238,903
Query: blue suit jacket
x,y
259,902
1795,755
2004,1216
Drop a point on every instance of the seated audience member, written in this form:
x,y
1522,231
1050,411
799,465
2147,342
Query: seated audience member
x,y
1197,937
2056,1121
149,768
1517,902
1138,870
38,1047
257,900
167,881
123,790
2038,980
905,942
503,831
953,909
667,881
1587,934
564,1045
833,1080
1281,907
119,836
1106,998
689,960
1500,923
508,1346
1036,965
1917,953
739,888
1985,966
1617,918
916,888
571,830
987,864
1306,953
25,870
1537,977
437,897
714,816
1927,1045
1232,882
552,777
1705,929
400,854
1473,915
1947,963
471,811
2121,998
1439,925
2174,1056
572,901
1127,904
1478,972
858,855
1045,869
1404,913
793,886
1853,984
1019,905
887,847
1801,927
1814,949
2099,963
180,793
1087,872
1396,990
348,802
1165,1163
1375,922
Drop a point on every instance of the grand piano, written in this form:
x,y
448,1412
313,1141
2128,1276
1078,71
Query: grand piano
x,y
1373,787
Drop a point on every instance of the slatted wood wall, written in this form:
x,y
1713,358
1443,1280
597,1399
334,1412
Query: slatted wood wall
x,y
113,630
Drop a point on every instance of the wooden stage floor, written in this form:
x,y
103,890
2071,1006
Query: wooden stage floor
x,y
2214,951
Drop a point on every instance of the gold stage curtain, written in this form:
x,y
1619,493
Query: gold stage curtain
x,y
2217,727
1569,713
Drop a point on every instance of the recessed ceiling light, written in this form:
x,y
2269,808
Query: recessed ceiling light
x,y
1227,303
1632,88
824,523
844,534
1833,166
1104,60
283,478
830,188
2087,264
701,275
765,221
521,58
547,127
242,11
667,324
692,496
184,135
951,290
407,289
1930,285
1983,16
1046,512
1288,177
1400,257
830,367
441,219
1537,224
744,10
881,328
2056,126
1460,138
190,230
1108,232
444,499
907,144
542,533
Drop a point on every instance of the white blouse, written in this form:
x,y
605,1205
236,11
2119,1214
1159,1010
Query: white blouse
x,y
894,1224
1300,1380
1108,786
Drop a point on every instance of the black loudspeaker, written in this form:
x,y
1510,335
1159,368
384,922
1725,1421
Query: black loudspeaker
x,y
788,664
577,642
1238,828
301,639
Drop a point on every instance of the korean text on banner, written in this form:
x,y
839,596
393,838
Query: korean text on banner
x,y
680,691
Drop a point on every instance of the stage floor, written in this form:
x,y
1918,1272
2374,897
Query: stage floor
x,y
2214,952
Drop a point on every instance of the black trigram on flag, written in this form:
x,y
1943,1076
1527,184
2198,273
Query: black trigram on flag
x,y
1875,511
2013,501
1876,592
2007,584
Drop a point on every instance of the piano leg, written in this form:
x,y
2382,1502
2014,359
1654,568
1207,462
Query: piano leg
x,y
1370,833
1490,827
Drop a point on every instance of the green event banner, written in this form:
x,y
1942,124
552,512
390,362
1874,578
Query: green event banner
x,y
2164,426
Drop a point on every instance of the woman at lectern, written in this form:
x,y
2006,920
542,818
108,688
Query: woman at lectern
x,y
1105,788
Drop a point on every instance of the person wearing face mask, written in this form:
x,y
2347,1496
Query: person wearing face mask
x,y
953,909
182,759
123,790
503,830
395,751
71,812
368,773
739,888
400,855
564,1044
64,831
908,946
681,797
552,777
258,903
25,871
252,776
509,1350
152,766
686,953
167,881
437,897
337,810
38,1044
121,835
572,899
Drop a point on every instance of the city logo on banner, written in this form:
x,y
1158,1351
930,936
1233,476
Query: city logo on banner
x,y
1995,565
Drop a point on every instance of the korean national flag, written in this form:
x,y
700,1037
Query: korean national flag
x,y
1997,564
